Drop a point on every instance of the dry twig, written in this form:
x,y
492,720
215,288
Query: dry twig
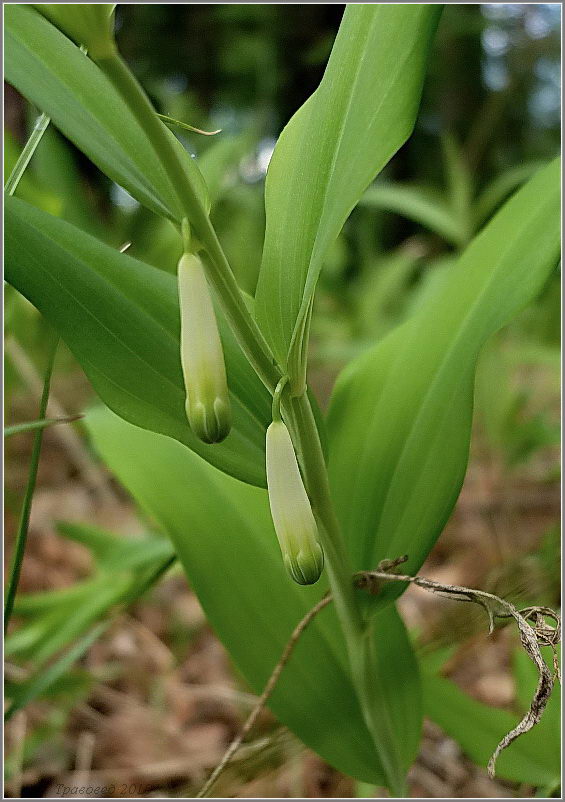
x,y
532,626
262,700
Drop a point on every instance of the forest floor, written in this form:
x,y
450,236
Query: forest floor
x,y
165,701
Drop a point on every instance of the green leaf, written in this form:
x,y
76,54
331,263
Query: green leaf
x,y
111,550
53,619
459,185
89,24
31,605
500,187
534,758
526,678
362,112
418,204
222,531
120,318
56,167
400,416
51,72
65,616
43,680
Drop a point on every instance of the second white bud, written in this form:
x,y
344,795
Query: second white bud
x,y
292,515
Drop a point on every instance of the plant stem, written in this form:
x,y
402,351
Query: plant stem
x,y
25,156
219,272
309,450
358,634
21,536
306,438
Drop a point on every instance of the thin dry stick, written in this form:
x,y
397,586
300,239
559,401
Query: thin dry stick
x,y
532,637
262,700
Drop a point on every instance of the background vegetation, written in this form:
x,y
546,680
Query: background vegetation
x,y
146,703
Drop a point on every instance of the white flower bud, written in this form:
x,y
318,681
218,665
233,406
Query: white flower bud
x,y
290,509
202,357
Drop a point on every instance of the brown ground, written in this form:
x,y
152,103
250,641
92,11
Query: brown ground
x,y
165,703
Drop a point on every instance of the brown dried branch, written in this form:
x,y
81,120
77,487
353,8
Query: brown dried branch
x,y
532,635
262,700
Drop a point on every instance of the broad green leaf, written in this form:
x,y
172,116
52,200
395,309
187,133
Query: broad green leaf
x,y
417,204
51,72
120,318
400,415
221,529
534,758
362,112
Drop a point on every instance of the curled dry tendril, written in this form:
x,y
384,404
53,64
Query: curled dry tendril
x,y
533,629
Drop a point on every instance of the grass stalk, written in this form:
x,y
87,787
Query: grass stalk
x,y
25,156
21,537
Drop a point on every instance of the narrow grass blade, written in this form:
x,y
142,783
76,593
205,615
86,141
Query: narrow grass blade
x,y
25,156
43,680
31,426
21,536
172,121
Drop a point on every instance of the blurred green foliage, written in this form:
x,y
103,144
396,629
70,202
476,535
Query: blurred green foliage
x,y
489,117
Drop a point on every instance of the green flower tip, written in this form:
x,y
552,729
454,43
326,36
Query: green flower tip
x,y
88,24
210,422
291,512
306,566
202,358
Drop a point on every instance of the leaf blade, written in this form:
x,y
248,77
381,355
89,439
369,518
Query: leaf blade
x,y
326,156
51,72
527,760
120,318
253,605
416,204
400,415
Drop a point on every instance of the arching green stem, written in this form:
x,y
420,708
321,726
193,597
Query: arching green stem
x,y
276,408
219,272
358,634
